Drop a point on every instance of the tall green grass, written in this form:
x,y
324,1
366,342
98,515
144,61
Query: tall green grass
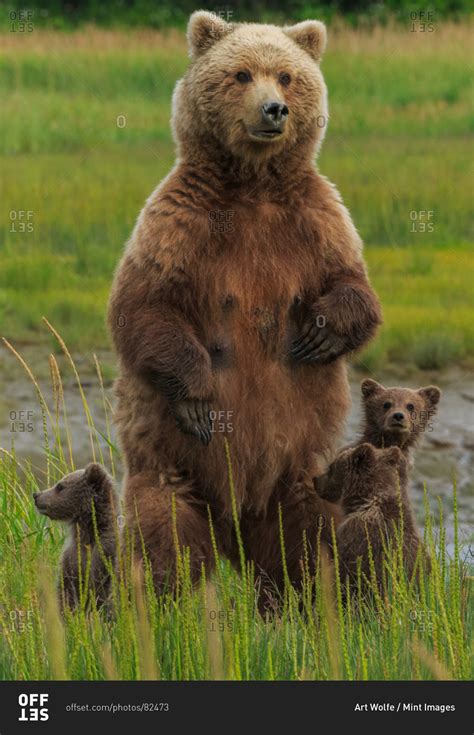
x,y
213,630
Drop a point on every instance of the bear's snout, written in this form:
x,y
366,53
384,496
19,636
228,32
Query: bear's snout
x,y
274,114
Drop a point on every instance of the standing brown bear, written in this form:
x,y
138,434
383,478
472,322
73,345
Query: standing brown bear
x,y
240,292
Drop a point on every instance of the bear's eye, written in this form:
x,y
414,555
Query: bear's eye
x,y
59,487
243,77
387,405
284,78
410,407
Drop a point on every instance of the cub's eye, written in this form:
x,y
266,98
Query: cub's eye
x,y
410,407
284,79
387,405
243,77
59,487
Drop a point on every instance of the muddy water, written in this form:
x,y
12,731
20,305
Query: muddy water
x,y
447,451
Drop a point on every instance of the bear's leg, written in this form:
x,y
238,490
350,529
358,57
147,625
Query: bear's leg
x,y
305,522
167,518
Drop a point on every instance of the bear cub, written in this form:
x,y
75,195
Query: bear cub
x,y
397,417
372,485
76,499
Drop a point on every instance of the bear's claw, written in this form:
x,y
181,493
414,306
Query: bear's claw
x,y
192,417
318,345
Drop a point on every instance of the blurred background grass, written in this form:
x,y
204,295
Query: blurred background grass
x,y
85,137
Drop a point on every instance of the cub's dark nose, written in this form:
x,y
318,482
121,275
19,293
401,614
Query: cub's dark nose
x,y
398,416
274,113
35,496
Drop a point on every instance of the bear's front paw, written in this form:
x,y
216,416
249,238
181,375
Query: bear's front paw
x,y
193,417
318,345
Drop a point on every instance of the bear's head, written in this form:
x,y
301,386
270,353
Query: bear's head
x,y
72,497
252,92
398,416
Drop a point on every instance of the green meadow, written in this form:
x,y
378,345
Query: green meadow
x,y
85,137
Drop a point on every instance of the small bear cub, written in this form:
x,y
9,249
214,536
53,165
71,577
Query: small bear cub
x,y
372,484
397,417
72,500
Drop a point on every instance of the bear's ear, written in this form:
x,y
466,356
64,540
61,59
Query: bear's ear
x,y
363,454
204,30
94,474
431,395
310,35
370,387
393,455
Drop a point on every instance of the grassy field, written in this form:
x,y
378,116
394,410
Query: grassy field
x,y
84,138
413,631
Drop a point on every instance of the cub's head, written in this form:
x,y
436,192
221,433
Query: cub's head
x,y
71,498
398,416
365,470
252,90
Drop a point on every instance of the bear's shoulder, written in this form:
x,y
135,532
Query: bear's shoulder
x,y
172,226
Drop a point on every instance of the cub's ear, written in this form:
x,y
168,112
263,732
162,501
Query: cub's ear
x,y
204,30
431,395
363,454
310,35
94,474
370,387
393,455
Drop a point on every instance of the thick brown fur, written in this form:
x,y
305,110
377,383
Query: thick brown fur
x,y
86,500
372,485
240,291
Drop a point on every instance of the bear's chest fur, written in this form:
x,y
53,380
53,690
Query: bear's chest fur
x,y
261,269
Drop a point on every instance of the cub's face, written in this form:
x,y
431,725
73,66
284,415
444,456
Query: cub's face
x,y
72,496
256,88
399,412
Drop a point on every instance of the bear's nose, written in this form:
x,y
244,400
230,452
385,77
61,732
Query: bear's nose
x,y
274,112
398,416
